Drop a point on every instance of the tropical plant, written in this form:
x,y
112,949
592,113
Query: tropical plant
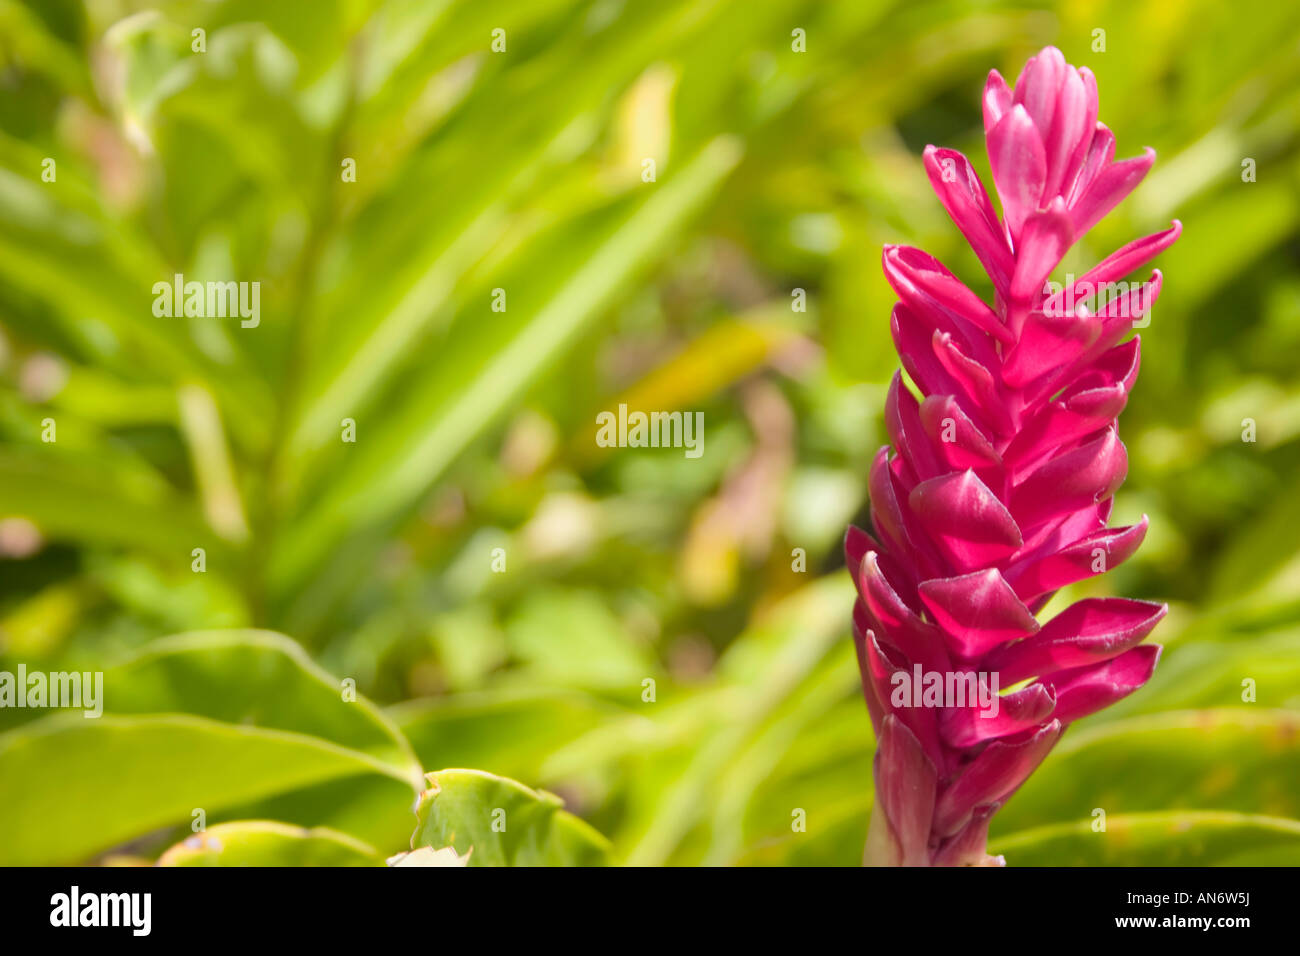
x,y
662,641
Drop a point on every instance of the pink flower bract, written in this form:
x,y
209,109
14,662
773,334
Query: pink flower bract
x,y
998,491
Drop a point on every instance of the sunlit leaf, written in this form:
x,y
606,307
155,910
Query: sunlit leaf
x,y
266,843
503,823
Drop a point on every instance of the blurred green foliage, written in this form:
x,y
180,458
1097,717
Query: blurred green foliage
x,y
523,171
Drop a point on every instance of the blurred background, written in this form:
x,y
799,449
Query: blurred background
x,y
661,640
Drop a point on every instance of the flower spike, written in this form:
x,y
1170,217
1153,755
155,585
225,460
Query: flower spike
x,y
998,487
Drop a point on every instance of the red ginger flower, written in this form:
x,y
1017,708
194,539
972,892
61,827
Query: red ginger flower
x,y
1000,488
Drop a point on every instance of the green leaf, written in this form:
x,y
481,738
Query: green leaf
x,y
1212,673
72,787
248,679
253,677
1178,838
268,843
503,823
1242,759
373,808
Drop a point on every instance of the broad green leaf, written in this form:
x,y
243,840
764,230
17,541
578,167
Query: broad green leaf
x,y
1174,838
503,823
1240,758
1263,669
71,787
267,843
373,808
256,678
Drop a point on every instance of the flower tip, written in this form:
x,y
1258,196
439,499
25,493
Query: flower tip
x,y
996,100
1052,55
